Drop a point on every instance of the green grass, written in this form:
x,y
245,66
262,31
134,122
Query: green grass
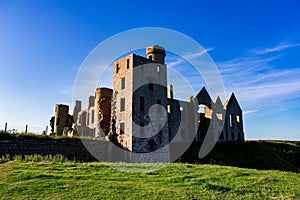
x,y
36,177
261,154
41,137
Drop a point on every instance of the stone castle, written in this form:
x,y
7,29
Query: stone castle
x,y
140,113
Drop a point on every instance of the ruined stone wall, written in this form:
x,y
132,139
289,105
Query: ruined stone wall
x,y
182,120
86,151
188,123
73,150
91,102
60,118
233,129
123,95
218,118
174,117
77,109
91,122
129,73
103,98
121,67
153,116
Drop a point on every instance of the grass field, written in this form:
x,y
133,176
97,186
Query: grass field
x,y
255,154
38,178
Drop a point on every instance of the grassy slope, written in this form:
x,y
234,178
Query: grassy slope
x,y
53,179
279,155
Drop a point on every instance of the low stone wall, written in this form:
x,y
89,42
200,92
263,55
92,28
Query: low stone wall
x,y
72,150
84,151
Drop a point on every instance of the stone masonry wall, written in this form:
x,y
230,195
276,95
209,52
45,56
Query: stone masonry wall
x,y
72,150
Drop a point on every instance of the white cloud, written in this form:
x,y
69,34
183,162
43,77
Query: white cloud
x,y
175,62
186,80
259,82
197,54
266,93
256,78
280,47
249,112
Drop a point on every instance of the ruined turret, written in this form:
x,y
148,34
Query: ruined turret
x,y
156,53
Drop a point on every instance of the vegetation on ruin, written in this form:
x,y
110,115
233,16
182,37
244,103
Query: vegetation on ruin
x,y
40,137
37,177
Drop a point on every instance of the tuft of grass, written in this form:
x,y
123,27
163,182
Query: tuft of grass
x,y
4,159
39,158
41,137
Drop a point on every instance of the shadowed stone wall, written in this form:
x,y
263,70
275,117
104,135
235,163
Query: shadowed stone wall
x,y
72,150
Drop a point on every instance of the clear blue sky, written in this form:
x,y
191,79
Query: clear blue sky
x,y
255,44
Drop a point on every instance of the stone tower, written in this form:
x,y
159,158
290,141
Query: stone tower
x,y
156,53
91,102
140,101
77,109
60,118
103,110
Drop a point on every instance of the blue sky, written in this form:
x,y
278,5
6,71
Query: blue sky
x,y
255,45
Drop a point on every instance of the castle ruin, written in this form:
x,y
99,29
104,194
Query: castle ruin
x,y
141,114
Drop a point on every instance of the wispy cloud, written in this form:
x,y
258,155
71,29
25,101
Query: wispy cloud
x,y
280,47
197,54
259,81
199,70
186,80
175,62
258,78
246,112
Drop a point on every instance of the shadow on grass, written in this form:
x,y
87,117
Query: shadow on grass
x,y
265,154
